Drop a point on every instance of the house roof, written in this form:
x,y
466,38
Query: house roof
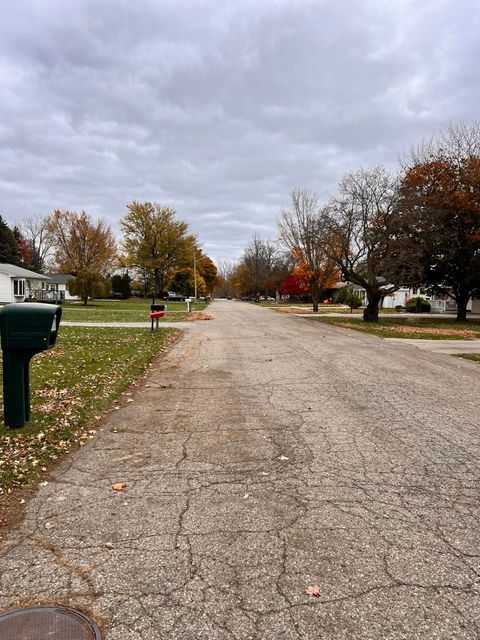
x,y
60,278
19,272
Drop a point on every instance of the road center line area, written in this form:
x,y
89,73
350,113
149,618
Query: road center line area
x,y
275,479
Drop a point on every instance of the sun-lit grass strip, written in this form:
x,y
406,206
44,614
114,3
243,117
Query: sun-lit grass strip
x,y
416,328
72,385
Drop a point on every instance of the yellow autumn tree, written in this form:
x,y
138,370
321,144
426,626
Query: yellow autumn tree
x,y
82,247
155,242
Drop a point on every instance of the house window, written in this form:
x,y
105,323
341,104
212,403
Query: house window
x,y
19,287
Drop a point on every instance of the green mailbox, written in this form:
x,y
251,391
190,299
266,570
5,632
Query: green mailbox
x,y
26,329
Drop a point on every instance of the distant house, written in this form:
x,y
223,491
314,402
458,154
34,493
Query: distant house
x,y
440,302
58,285
18,284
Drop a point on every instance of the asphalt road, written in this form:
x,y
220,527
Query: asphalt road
x,y
264,455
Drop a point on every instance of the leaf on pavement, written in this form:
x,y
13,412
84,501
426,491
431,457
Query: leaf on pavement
x,y
313,590
119,486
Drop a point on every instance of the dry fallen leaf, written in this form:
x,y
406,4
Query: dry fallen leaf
x,y
119,486
313,590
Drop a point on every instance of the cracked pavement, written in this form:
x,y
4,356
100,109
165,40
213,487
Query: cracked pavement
x,y
264,454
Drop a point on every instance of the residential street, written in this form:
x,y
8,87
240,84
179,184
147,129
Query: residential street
x,y
266,454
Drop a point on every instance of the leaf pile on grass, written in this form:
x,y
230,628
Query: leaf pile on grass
x,y
295,310
417,328
72,385
413,331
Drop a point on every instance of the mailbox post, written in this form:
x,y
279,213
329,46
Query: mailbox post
x,y
26,329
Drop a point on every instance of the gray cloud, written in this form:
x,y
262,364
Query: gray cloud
x,y
220,108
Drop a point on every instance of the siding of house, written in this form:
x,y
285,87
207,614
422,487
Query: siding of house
x,y
6,291
399,297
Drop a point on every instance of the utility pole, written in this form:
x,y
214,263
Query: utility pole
x,y
195,273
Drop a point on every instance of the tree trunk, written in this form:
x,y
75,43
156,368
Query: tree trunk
x,y
462,302
85,300
315,294
370,313
157,284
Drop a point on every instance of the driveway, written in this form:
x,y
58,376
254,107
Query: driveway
x,y
263,456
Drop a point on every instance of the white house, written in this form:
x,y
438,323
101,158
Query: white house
x,y
58,286
18,284
401,295
440,303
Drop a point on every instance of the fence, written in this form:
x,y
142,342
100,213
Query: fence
x,y
45,295
444,306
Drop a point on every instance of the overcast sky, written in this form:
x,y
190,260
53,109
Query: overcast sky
x,y
220,108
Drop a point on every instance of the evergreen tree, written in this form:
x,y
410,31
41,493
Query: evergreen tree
x,y
9,250
121,284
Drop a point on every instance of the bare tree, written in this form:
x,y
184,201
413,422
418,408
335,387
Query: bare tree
x,y
253,272
457,143
34,230
226,269
362,221
259,259
304,231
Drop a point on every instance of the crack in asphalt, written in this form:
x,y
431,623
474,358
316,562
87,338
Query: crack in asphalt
x,y
265,454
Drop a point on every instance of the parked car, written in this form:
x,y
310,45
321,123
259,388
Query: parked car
x,y
175,297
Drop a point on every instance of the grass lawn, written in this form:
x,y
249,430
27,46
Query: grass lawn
x,y
322,310
411,327
299,306
470,356
132,310
71,386
305,307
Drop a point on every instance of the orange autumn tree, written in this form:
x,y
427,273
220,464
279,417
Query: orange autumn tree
x,y
439,214
326,275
